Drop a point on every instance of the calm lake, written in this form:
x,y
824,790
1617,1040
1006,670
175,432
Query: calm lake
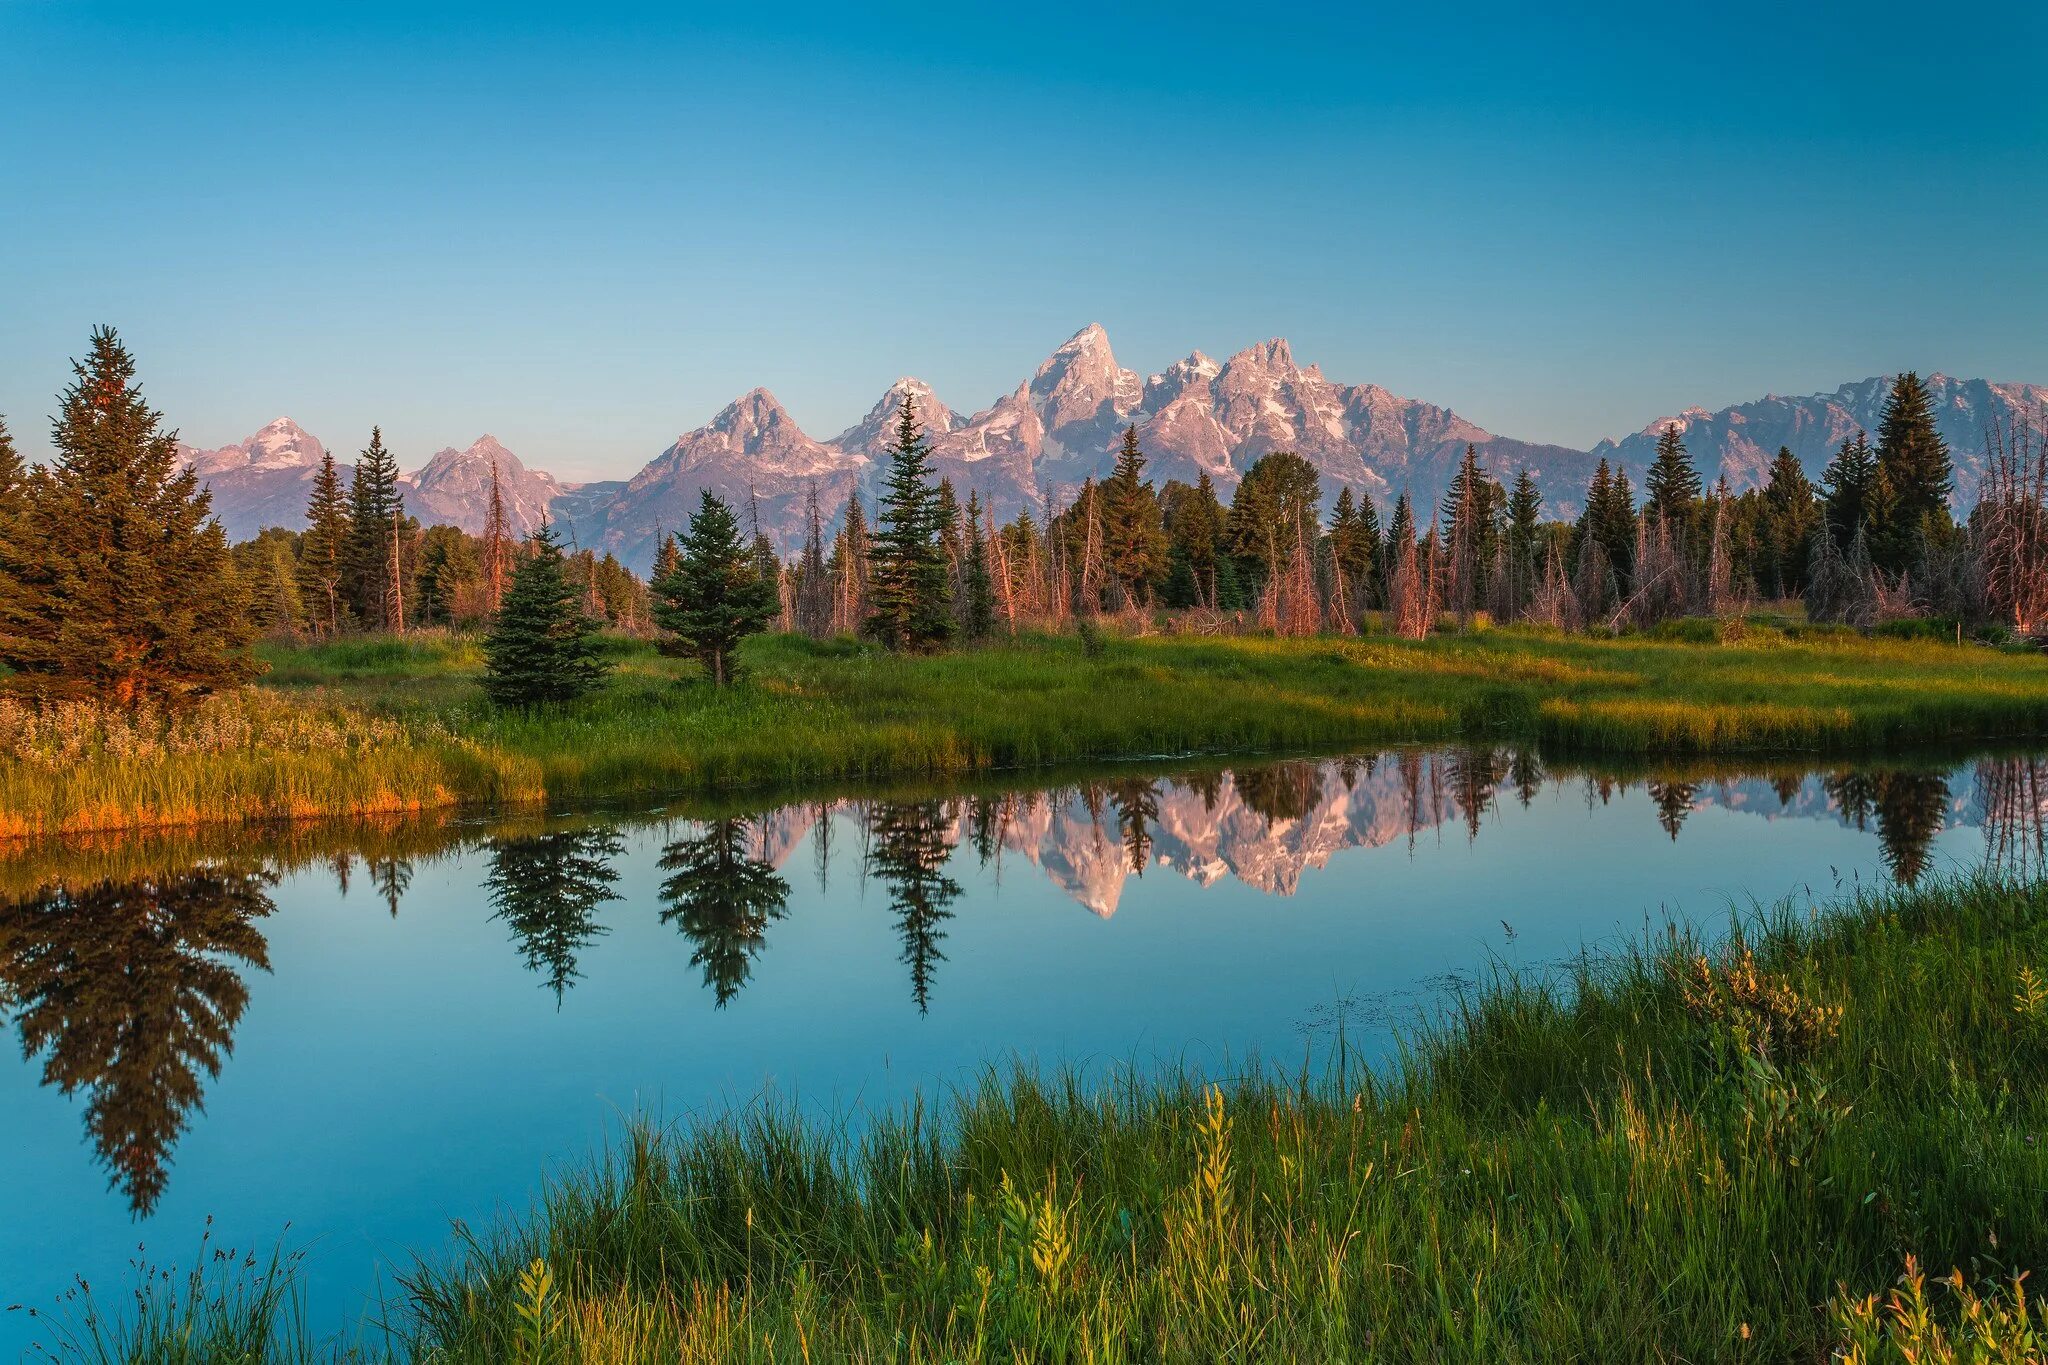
x,y
343,1039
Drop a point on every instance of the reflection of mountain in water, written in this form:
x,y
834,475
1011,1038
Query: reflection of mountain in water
x,y
1268,826
129,991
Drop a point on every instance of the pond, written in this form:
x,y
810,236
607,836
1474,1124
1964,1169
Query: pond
x,y
342,1039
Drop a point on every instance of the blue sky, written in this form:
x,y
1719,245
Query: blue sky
x,y
586,228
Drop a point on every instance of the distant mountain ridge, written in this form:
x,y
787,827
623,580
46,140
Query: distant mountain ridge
x,y
1060,427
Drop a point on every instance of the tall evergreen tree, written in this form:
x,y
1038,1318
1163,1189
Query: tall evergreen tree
x,y
1195,520
542,647
978,595
322,551
1785,528
666,556
910,606
1355,546
1276,503
115,581
1672,485
716,596
375,513
1917,477
1133,532
1850,486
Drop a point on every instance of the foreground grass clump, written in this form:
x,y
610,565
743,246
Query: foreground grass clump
x,y
1674,1155
410,727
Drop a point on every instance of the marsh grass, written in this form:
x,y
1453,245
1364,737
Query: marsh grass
x,y
1615,1164
380,725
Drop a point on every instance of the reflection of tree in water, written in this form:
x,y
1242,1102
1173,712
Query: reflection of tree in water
x,y
548,888
1137,810
1909,807
907,853
1474,775
2012,793
1525,771
723,900
1673,801
1281,792
133,988
392,877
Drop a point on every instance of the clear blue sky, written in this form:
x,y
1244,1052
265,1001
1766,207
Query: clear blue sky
x,y
585,228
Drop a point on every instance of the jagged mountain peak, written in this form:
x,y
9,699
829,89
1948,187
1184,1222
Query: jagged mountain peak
x,y
876,432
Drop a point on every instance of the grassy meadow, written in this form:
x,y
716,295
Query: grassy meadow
x,y
383,725
1779,1151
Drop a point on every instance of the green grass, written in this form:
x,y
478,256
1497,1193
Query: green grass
x,y
1663,1157
810,715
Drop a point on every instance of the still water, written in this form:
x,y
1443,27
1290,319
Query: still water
x,y
344,1039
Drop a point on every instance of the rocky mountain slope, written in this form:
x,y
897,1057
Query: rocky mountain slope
x,y
1062,425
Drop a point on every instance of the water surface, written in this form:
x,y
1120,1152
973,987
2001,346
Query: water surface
x,y
365,1033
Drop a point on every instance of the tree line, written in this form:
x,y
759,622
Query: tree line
x,y
117,584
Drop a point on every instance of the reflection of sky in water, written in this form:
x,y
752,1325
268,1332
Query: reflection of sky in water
x,y
393,1073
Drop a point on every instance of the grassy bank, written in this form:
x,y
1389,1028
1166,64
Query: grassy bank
x,y
381,725
1671,1157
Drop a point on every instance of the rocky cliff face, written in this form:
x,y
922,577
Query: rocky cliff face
x,y
454,489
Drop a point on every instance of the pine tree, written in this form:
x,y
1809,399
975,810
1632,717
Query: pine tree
x,y
13,478
1133,533
716,596
1913,463
910,607
1788,517
115,581
1354,547
542,647
666,556
1672,485
1847,484
548,888
375,510
978,617
1195,520
321,551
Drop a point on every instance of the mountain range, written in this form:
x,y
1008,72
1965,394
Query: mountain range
x,y
1061,426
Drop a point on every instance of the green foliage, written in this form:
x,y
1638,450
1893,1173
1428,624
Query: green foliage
x,y
723,900
715,596
1672,485
1914,471
1788,518
1276,502
1133,531
115,582
978,595
909,597
375,524
542,648
323,550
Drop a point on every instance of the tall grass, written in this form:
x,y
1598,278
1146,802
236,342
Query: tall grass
x,y
1672,1155
379,725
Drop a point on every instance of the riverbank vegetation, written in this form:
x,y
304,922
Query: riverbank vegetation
x,y
1137,620
1761,1151
364,725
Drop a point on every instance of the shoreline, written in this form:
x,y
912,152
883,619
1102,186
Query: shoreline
x,y
329,742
